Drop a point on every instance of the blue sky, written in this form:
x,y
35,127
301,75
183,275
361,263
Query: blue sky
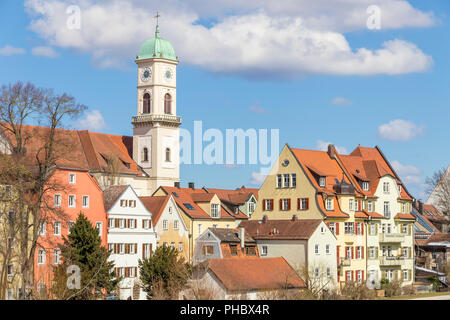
x,y
277,89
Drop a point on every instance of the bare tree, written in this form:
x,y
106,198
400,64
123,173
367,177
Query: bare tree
x,y
29,159
438,187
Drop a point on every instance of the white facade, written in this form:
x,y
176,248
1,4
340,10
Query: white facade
x,y
130,233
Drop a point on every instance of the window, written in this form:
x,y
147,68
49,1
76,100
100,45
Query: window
x,y
41,256
264,250
99,226
132,223
199,229
316,272
70,225
328,272
165,225
399,189
251,207
278,180
85,202
287,180
167,104
146,252
188,206
72,178
322,230
111,223
285,204
268,204
146,223
322,182
365,186
56,256
358,252
10,270
42,227
294,180
180,246
358,227
175,225
303,204
146,103
359,275
233,250
121,223
387,212
372,252
145,155
71,201
57,228
132,203
386,187
332,226
350,204
132,272
215,210
356,205
369,206
348,227
329,204
121,248
348,253
168,155
404,207
373,229
172,245
57,200
405,275
123,203
348,276
327,249
316,249
111,247
250,250
208,250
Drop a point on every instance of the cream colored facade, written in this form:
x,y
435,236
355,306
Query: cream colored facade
x,y
390,241
269,190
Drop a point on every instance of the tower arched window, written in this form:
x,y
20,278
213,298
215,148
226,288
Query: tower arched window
x,y
167,154
167,104
146,103
145,155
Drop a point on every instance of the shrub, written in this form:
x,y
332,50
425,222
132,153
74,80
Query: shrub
x,y
357,291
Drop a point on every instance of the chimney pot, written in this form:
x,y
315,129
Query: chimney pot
x,y
191,185
177,184
331,151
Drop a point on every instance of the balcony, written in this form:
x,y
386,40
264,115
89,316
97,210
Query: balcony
x,y
392,237
344,262
392,261
163,118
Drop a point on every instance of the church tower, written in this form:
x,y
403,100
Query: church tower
x,y
156,126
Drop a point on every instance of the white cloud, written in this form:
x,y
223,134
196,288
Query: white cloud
x,y
339,101
8,50
44,52
409,174
400,130
306,36
323,146
257,178
92,121
256,108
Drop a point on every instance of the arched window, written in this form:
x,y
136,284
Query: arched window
x,y
167,155
146,104
145,155
167,104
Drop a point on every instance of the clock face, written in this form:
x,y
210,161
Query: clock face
x,y
146,74
168,74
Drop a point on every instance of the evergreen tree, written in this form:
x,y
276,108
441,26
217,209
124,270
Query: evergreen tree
x,y
83,248
164,274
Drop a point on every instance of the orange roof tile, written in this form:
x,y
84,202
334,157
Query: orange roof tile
x,y
281,229
156,205
255,274
404,216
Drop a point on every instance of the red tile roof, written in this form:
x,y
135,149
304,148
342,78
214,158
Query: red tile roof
x,y
250,274
404,216
156,205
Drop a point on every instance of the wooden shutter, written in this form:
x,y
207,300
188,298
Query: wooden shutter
x,y
135,271
346,252
362,228
362,275
264,205
409,253
376,252
289,204
298,203
272,201
409,230
116,223
337,228
143,251
353,273
353,252
337,254
307,204
151,251
362,252
135,248
116,248
281,204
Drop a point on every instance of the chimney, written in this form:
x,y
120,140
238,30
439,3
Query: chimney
x,y
294,217
421,207
331,151
242,237
177,184
191,185
265,218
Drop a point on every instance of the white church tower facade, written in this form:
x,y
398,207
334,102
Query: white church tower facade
x,y
156,135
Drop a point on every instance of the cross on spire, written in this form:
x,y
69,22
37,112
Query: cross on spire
x,y
157,23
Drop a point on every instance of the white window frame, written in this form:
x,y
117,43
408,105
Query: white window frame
x,y
333,227
121,248
56,256
111,223
285,204
369,206
176,225
365,186
165,224
42,228
85,204
264,250
215,210
57,228
356,205
70,225
286,180
386,205
372,252
386,188
350,205
329,204
57,200
100,230
180,246
41,257
322,182
74,180
121,223
406,274
73,205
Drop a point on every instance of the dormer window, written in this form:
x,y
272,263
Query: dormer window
x,y
386,187
365,186
329,204
215,210
322,182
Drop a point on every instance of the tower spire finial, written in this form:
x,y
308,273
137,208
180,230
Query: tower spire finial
x,y
157,23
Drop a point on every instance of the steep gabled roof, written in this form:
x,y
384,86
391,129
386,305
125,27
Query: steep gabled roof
x,y
111,195
255,274
231,235
156,205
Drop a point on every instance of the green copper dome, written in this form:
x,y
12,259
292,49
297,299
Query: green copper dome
x,y
157,48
